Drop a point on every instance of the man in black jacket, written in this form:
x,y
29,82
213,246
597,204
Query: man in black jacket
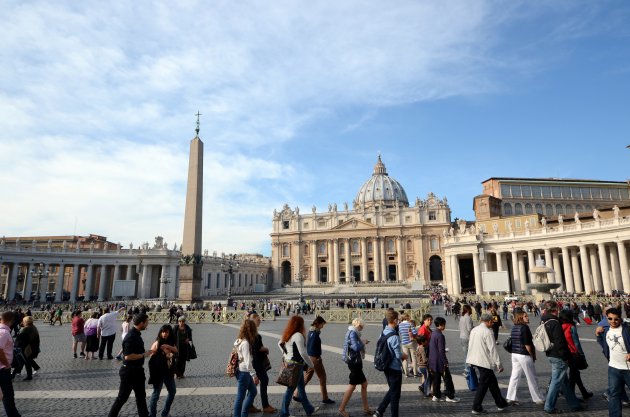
x,y
558,356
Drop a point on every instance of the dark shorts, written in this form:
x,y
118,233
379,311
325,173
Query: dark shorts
x,y
357,377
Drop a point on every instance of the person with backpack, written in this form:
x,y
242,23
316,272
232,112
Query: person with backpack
x,y
388,358
578,359
557,351
484,358
246,378
438,364
261,365
352,355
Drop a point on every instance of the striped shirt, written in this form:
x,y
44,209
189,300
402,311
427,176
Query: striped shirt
x,y
404,328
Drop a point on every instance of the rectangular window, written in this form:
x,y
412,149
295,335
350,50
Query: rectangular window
x,y
575,193
623,192
389,219
505,191
536,191
546,192
614,193
556,192
369,220
526,190
586,193
285,224
218,278
516,191
432,215
321,223
306,225
596,193
517,223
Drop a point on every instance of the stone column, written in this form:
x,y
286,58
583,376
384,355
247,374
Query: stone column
x,y
314,266
349,277
59,287
420,258
116,272
28,283
102,283
577,273
516,281
522,272
595,270
329,250
401,259
364,262
531,260
623,263
377,260
555,259
603,262
13,281
163,275
499,256
616,282
455,278
129,273
568,274
477,271
336,261
74,292
89,284
549,263
586,270
42,285
383,259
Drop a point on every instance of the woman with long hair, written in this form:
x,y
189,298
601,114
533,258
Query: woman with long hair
x,y
353,353
465,326
91,337
125,330
246,378
292,344
261,366
161,370
183,337
577,354
523,358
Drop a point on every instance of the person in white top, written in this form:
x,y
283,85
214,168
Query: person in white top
x,y
465,327
293,347
246,379
125,330
106,331
616,345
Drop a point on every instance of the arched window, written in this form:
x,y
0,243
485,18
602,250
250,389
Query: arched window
x,y
507,209
390,245
285,250
321,249
529,209
559,209
579,208
342,248
588,208
518,208
370,247
355,246
548,210
305,250
539,208
569,209
435,244
409,246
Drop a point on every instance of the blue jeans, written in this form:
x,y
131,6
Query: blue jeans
x,y
617,380
426,383
169,382
560,382
392,397
245,394
288,394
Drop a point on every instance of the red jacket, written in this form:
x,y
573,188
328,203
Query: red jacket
x,y
566,328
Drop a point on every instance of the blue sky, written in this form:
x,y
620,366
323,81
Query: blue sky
x,y
298,98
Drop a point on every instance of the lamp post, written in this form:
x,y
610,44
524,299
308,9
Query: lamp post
x,y
165,281
229,265
300,277
38,273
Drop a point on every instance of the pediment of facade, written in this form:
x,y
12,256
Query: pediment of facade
x,y
355,224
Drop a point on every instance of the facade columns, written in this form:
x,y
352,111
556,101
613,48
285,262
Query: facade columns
x,y
145,285
555,260
586,270
383,265
163,276
595,270
577,274
377,259
522,272
74,292
331,264
516,284
531,260
336,261
116,272
102,283
615,280
59,287
13,281
28,283
128,274
568,274
420,265
603,263
314,271
623,263
87,291
349,277
401,260
364,262
477,271
549,263
499,256
455,278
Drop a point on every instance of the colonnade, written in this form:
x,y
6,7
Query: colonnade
x,y
579,267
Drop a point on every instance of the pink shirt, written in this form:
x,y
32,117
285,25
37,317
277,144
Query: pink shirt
x,y
6,344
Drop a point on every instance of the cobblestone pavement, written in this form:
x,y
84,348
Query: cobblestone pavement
x,y
71,387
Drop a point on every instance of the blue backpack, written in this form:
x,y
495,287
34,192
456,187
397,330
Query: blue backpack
x,y
383,355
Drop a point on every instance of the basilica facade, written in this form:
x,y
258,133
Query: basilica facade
x,y
381,239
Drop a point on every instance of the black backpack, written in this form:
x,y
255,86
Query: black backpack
x,y
383,355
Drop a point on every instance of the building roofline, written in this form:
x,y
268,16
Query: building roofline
x,y
551,179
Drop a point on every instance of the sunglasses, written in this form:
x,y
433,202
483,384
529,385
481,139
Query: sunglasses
x,y
613,318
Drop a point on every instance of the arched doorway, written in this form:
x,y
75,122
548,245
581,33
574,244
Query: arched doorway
x,y
391,272
342,277
323,274
371,276
285,273
435,268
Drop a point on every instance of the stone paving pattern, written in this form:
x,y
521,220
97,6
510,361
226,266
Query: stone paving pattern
x,y
71,387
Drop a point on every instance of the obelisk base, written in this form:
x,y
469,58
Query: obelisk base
x,y
190,283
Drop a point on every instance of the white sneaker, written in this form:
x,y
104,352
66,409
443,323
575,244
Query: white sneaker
x,y
452,400
34,372
436,399
315,411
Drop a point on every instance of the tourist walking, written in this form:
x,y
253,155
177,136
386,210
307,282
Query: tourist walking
x,y
106,332
161,369
132,369
483,356
261,366
78,333
578,359
125,329
6,357
615,342
314,350
496,323
438,364
91,337
425,327
423,363
408,333
246,378
183,336
292,344
393,372
352,355
523,358
465,326
28,341
558,356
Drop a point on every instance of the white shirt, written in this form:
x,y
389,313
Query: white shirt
x,y
107,323
298,339
245,357
482,349
617,348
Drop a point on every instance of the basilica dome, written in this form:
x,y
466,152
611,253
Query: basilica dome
x,y
381,190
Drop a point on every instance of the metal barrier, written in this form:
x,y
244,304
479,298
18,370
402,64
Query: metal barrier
x,y
367,315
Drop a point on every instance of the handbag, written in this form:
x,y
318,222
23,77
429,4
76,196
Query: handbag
x,y
580,361
289,374
192,352
352,357
266,363
507,345
471,379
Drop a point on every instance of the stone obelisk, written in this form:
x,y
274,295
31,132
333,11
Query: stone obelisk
x,y
190,267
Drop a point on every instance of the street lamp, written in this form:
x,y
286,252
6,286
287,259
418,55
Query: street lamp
x,y
230,265
165,281
300,277
38,274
